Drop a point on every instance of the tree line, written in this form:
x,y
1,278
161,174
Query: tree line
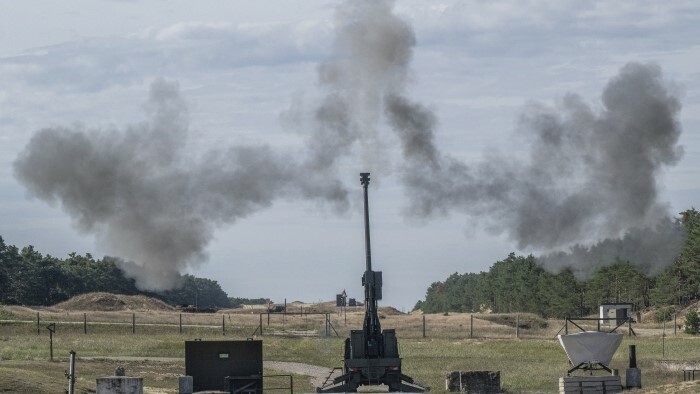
x,y
519,284
28,277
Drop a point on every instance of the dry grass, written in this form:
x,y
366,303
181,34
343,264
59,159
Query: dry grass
x,y
532,363
454,325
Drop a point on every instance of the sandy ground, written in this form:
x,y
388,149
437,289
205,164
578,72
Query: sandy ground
x,y
676,388
317,373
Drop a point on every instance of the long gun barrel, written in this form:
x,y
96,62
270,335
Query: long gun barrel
x,y
372,281
364,180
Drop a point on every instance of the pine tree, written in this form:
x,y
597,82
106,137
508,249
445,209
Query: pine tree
x,y
692,322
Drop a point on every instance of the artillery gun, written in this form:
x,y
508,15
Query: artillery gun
x,y
371,355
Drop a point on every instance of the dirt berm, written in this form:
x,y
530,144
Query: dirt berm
x,y
112,302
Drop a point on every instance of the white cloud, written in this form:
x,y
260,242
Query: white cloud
x,y
94,64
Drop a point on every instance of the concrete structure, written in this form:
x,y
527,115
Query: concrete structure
x,y
590,384
633,378
185,385
119,385
616,312
485,382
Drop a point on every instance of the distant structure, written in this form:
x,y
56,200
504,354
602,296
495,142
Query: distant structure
x,y
341,299
616,312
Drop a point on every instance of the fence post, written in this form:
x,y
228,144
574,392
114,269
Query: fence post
x,y
517,326
180,323
133,323
261,331
37,324
71,374
52,328
663,342
629,327
84,323
423,326
675,326
223,325
471,326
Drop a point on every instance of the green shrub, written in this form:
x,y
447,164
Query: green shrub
x,y
664,314
692,322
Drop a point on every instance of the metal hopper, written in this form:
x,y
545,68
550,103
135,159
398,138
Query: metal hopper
x,y
590,350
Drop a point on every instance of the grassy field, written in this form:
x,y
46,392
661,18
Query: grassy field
x,y
532,363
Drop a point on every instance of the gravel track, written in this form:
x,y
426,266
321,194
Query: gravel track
x,y
317,373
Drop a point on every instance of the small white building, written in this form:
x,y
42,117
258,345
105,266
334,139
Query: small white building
x,y
618,312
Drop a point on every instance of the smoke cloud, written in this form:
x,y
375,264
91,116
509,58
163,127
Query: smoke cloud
x,y
146,200
371,56
590,175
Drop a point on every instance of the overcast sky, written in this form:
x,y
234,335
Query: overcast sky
x,y
246,69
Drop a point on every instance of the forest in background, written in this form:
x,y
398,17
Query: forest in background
x,y
28,277
519,284
515,284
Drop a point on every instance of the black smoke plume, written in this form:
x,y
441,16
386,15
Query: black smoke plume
x,y
590,175
149,202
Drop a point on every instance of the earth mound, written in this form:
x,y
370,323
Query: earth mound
x,y
390,310
108,302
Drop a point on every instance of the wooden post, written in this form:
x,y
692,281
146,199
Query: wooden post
x,y
423,326
37,323
268,318
52,328
629,327
675,326
223,325
260,326
133,323
180,323
471,326
517,326
84,323
663,342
